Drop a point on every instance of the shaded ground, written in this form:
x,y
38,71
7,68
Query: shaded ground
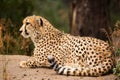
x,y
10,70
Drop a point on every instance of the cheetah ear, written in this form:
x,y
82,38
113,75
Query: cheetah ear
x,y
40,22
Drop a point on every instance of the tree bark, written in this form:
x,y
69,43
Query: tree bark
x,y
89,17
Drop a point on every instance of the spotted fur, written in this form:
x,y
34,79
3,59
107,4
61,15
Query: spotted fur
x,y
70,55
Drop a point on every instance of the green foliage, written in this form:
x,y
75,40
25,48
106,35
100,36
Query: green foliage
x,y
11,16
55,11
116,70
114,12
116,43
118,52
16,10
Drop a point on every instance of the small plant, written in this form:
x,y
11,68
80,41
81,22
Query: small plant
x,y
1,42
118,52
5,74
116,47
114,41
116,70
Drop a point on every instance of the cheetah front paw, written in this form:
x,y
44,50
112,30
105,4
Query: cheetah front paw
x,y
23,64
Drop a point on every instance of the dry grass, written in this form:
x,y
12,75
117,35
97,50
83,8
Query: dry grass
x,y
5,73
114,37
1,41
11,41
114,40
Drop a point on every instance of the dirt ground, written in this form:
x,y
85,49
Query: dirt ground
x,y
10,70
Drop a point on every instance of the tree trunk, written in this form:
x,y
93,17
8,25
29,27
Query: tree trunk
x,y
89,17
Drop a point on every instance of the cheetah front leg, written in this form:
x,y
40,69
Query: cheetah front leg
x,y
32,62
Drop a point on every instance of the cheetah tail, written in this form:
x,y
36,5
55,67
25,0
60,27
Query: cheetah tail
x,y
58,68
70,71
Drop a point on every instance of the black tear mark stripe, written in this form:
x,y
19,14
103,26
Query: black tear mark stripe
x,y
26,31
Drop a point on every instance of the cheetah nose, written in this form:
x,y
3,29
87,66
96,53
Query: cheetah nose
x,y
20,31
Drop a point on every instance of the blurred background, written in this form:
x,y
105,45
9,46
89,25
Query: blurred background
x,y
77,17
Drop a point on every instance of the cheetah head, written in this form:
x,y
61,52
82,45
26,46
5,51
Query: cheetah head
x,y
33,25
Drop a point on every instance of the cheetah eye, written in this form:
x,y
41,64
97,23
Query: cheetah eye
x,y
27,23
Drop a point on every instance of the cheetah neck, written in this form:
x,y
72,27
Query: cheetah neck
x,y
53,34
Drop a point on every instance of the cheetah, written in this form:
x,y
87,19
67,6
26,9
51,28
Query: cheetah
x,y
66,54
